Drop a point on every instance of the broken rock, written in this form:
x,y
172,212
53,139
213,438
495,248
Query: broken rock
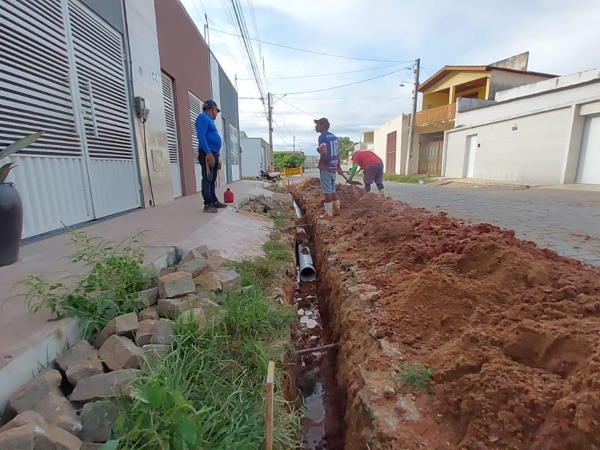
x,y
198,252
215,259
209,281
164,332
145,332
119,352
153,352
173,307
42,395
151,295
195,266
148,314
107,385
231,281
124,325
29,431
79,362
176,285
98,420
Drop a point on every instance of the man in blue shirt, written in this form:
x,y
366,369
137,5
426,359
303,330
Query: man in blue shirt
x,y
329,166
209,145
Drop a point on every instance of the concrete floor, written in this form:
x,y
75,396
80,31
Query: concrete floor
x,y
28,341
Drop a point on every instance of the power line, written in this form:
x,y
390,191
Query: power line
x,y
316,53
325,74
295,107
348,84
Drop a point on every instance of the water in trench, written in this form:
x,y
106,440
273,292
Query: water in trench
x,y
316,369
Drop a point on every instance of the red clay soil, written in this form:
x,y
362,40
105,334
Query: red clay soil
x,y
511,332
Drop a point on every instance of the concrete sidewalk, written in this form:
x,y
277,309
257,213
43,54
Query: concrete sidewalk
x,y
28,342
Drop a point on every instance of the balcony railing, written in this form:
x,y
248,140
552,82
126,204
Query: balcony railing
x,y
435,115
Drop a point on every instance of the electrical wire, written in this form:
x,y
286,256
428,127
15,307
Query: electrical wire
x,y
326,74
316,53
344,85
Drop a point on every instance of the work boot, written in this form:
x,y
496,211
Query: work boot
x,y
328,211
210,209
382,192
336,207
219,205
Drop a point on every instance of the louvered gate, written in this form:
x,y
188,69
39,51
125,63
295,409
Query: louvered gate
x,y
167,87
62,71
195,110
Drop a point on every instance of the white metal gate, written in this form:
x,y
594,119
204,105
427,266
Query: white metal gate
x,y
62,71
589,158
195,111
167,87
234,153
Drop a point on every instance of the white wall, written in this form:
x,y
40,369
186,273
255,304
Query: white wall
x,y
535,139
398,124
254,156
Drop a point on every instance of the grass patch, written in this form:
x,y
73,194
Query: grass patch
x,y
407,178
414,375
109,289
261,271
207,393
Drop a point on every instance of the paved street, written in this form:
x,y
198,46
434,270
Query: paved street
x,y
566,220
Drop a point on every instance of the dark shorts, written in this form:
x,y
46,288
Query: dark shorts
x,y
373,173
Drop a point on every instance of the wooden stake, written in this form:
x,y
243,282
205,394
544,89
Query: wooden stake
x,y
269,408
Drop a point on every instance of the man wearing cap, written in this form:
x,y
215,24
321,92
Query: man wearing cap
x,y
209,145
371,165
329,166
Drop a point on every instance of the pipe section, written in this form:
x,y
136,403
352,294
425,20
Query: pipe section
x,y
305,264
297,209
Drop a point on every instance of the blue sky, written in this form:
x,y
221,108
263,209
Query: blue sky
x,y
562,38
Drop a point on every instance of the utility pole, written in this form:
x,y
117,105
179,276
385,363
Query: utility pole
x,y
270,119
294,145
413,117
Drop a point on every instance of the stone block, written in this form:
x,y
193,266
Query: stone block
x,y
145,331
124,325
148,314
198,252
79,362
164,332
176,285
231,281
195,266
166,271
209,281
153,352
215,260
98,420
150,295
119,352
30,431
173,307
107,385
43,396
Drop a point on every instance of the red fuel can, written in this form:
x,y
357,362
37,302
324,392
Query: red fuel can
x,y
228,196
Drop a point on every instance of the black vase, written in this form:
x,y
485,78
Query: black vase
x,y
11,223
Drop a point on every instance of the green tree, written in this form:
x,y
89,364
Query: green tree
x,y
289,160
346,146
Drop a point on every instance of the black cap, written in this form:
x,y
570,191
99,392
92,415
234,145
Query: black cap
x,y
323,121
210,104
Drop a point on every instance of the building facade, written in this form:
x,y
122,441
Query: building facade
x,y
542,133
255,155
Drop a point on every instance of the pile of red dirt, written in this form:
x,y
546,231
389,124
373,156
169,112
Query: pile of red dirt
x,y
511,332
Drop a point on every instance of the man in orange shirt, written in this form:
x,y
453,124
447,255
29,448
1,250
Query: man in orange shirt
x,y
372,166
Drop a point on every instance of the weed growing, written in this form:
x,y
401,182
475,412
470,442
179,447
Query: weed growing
x,y
110,288
414,375
207,393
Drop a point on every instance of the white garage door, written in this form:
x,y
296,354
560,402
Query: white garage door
x,y
589,158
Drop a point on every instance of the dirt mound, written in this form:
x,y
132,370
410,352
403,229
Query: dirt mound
x,y
510,331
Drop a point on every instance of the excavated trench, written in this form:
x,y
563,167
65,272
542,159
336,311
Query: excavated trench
x,y
315,364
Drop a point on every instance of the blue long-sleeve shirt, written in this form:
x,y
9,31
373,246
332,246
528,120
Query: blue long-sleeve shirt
x,y
208,136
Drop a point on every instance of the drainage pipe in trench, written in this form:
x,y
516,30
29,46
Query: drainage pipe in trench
x,y
305,263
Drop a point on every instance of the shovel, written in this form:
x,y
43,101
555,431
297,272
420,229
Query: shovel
x,y
356,183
